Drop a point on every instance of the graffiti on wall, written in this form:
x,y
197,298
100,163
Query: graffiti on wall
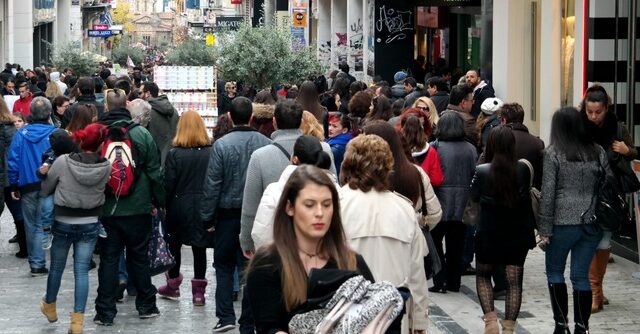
x,y
324,54
394,23
371,18
356,45
340,49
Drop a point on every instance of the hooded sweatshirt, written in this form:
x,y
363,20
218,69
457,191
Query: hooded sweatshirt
x,y
163,124
338,147
79,181
25,155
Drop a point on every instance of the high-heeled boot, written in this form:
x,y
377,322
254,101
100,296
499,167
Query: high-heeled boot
x,y
581,311
560,307
596,276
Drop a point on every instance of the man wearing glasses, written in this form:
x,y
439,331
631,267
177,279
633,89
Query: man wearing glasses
x,y
24,102
461,103
224,103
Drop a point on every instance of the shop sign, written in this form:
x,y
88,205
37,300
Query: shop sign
x,y
229,22
299,19
210,40
236,2
100,33
450,3
101,26
75,2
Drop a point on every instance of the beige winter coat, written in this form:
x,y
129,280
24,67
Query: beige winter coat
x,y
382,227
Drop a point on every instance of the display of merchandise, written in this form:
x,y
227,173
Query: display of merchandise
x,y
190,88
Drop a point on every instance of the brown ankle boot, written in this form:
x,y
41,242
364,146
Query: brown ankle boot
x,y
77,322
491,323
49,311
508,326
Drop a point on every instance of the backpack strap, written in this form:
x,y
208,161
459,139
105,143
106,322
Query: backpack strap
x,y
282,149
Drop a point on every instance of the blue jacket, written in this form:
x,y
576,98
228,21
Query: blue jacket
x,y
338,146
25,155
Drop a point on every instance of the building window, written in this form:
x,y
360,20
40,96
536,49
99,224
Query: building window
x,y
146,40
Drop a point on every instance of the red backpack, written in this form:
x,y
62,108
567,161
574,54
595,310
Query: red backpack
x,y
118,148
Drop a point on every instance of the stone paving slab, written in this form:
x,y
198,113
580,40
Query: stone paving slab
x,y
457,313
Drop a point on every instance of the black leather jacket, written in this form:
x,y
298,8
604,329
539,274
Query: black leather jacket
x,y
497,216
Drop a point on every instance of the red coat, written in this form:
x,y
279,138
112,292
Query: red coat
x,y
22,106
431,166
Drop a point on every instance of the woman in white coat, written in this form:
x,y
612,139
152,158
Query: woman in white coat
x,y
382,226
306,150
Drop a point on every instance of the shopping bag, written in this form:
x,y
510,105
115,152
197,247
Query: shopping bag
x,y
160,259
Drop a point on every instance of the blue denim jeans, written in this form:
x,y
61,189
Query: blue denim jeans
x,y
228,256
571,238
46,210
83,238
33,229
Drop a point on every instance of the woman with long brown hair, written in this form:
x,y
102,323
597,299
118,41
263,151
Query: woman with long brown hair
x,y
308,234
505,229
84,115
184,175
8,130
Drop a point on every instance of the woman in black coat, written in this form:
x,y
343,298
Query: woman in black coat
x,y
185,171
505,231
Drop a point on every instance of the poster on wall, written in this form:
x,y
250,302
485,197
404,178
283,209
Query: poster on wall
x,y
371,17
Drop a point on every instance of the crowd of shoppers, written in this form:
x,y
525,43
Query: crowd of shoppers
x,y
303,182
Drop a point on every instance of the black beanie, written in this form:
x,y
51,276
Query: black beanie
x,y
61,143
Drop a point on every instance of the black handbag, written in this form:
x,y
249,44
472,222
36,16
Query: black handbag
x,y
608,206
621,168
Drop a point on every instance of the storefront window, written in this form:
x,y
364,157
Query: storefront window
x,y
568,47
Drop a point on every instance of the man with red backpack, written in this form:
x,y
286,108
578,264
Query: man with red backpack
x,y
134,190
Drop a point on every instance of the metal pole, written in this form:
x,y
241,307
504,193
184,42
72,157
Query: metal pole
x,y
615,61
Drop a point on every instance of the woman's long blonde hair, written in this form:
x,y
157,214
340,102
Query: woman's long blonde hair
x,y
433,112
191,131
310,126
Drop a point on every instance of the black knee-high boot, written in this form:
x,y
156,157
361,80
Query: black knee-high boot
x,y
581,310
22,239
560,307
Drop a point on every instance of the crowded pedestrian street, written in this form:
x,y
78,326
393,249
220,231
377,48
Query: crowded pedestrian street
x,y
452,313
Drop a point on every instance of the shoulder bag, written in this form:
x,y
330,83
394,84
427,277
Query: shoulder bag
x,y
607,204
534,192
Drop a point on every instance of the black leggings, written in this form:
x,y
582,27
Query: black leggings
x,y
199,261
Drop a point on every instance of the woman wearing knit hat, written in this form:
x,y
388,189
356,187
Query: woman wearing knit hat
x,y
488,118
77,181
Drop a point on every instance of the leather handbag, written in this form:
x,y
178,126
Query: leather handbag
x,y
535,194
607,205
471,213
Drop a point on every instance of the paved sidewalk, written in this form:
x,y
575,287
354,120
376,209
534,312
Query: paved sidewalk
x,y
20,295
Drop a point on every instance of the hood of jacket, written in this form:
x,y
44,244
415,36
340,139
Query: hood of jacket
x,y
117,114
88,168
341,139
54,76
397,90
36,132
162,105
263,110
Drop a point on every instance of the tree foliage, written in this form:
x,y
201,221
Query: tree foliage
x,y
122,15
120,53
71,55
192,53
264,56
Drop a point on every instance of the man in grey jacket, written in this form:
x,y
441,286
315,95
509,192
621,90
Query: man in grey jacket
x,y
223,195
268,163
164,117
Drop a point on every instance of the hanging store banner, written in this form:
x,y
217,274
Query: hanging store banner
x,y
299,19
